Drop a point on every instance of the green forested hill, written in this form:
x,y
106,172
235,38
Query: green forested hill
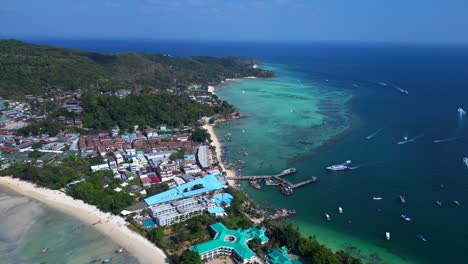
x,y
34,69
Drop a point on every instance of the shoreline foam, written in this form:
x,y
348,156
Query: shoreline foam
x,y
112,226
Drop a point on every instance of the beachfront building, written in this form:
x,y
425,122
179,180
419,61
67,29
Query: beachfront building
x,y
204,185
203,156
227,242
184,210
280,256
184,201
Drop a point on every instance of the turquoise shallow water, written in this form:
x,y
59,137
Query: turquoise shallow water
x,y
292,121
27,227
287,118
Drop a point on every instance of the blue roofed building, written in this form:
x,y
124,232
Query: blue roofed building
x,y
208,184
223,199
217,211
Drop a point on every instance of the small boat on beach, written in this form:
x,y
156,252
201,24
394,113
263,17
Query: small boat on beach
x,y
387,235
402,199
327,216
421,237
377,198
120,250
340,210
405,217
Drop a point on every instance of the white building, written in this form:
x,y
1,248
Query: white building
x,y
100,167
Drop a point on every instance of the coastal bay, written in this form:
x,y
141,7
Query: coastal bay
x,y
365,84
111,226
356,125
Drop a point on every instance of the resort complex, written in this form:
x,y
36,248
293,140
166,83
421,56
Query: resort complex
x,y
233,243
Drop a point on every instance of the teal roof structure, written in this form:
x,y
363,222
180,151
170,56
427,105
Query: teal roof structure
x,y
216,210
223,197
280,256
210,183
235,240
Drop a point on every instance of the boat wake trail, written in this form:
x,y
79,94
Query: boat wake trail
x,y
394,86
373,134
401,90
446,139
406,141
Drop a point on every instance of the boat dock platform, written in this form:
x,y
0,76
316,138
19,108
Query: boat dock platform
x,y
286,187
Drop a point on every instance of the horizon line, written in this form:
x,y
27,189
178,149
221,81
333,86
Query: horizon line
x,y
246,41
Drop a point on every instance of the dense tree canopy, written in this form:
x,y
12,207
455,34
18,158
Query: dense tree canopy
x,y
190,257
35,69
104,112
51,128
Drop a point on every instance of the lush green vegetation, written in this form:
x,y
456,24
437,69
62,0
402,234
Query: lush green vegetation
x,y
35,69
35,154
104,112
285,234
201,135
91,191
50,176
48,127
189,257
155,189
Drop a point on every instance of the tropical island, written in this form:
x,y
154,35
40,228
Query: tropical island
x,y
131,135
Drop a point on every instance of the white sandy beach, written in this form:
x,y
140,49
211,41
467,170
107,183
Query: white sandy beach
x,y
110,225
215,142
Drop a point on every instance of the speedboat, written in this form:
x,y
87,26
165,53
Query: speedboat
x,y
439,203
340,210
456,202
421,237
44,250
461,112
377,198
387,235
465,161
327,216
402,199
405,217
340,167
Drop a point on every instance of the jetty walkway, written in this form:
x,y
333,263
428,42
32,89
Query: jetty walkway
x,y
277,180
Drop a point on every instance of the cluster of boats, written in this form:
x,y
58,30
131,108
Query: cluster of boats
x,y
404,217
118,251
282,213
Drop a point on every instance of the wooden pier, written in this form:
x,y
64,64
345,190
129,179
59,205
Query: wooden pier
x,y
285,186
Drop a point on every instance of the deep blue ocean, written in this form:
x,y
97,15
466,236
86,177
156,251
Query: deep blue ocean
x,y
424,171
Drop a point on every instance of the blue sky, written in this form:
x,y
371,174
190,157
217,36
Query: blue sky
x,y
285,20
